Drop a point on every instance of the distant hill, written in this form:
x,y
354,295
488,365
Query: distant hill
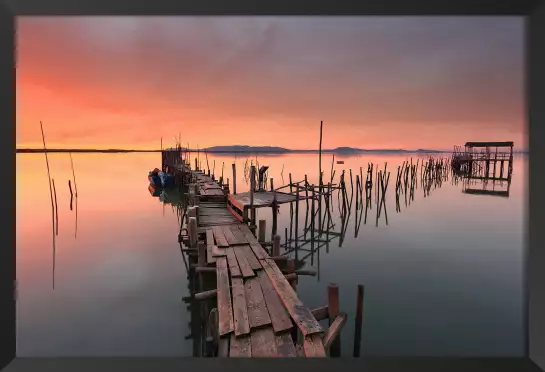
x,y
244,148
81,150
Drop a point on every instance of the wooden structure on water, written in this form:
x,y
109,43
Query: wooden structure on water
x,y
257,311
484,159
482,164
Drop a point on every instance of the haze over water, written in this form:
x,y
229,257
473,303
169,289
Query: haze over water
x,y
443,278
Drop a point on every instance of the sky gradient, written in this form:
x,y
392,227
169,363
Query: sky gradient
x,y
376,82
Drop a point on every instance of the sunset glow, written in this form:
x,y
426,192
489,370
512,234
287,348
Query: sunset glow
x,y
376,82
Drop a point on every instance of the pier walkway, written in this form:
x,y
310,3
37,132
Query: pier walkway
x,y
258,311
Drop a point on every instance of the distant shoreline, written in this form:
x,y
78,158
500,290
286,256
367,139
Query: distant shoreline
x,y
265,150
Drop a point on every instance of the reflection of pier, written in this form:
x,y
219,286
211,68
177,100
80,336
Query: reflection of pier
x,y
499,187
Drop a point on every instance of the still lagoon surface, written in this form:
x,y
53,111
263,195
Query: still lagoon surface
x,y
444,277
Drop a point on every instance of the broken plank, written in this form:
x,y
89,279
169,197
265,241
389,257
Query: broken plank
x,y
250,256
258,315
285,346
240,310
334,330
225,307
240,347
233,263
221,242
298,311
264,343
280,318
314,347
243,263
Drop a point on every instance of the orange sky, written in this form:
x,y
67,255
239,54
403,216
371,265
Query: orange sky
x,y
377,82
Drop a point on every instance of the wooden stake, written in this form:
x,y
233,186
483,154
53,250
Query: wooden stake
x,y
358,321
234,179
262,224
334,310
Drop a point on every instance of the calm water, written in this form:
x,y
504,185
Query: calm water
x,y
444,277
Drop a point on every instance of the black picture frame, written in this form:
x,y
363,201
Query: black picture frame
x,y
532,10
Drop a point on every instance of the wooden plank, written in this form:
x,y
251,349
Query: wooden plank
x,y
218,252
264,343
229,236
243,263
298,311
210,259
313,347
258,250
221,242
258,315
334,330
233,263
225,307
285,346
239,236
240,347
280,318
209,235
240,310
250,256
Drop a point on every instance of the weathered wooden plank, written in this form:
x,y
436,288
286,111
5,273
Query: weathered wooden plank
x,y
229,236
240,347
239,235
225,307
298,311
210,259
258,250
334,330
280,318
258,315
209,235
250,256
243,263
221,242
264,343
314,347
233,263
218,252
240,310
285,346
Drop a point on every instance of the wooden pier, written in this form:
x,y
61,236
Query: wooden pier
x,y
257,312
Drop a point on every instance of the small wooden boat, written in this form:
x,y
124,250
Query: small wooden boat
x,y
340,161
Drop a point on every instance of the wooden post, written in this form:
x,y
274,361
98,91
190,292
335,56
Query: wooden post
x,y
202,254
276,246
234,179
252,188
196,209
193,232
272,184
333,308
262,227
274,215
358,321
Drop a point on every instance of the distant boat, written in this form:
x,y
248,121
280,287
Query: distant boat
x,y
340,161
